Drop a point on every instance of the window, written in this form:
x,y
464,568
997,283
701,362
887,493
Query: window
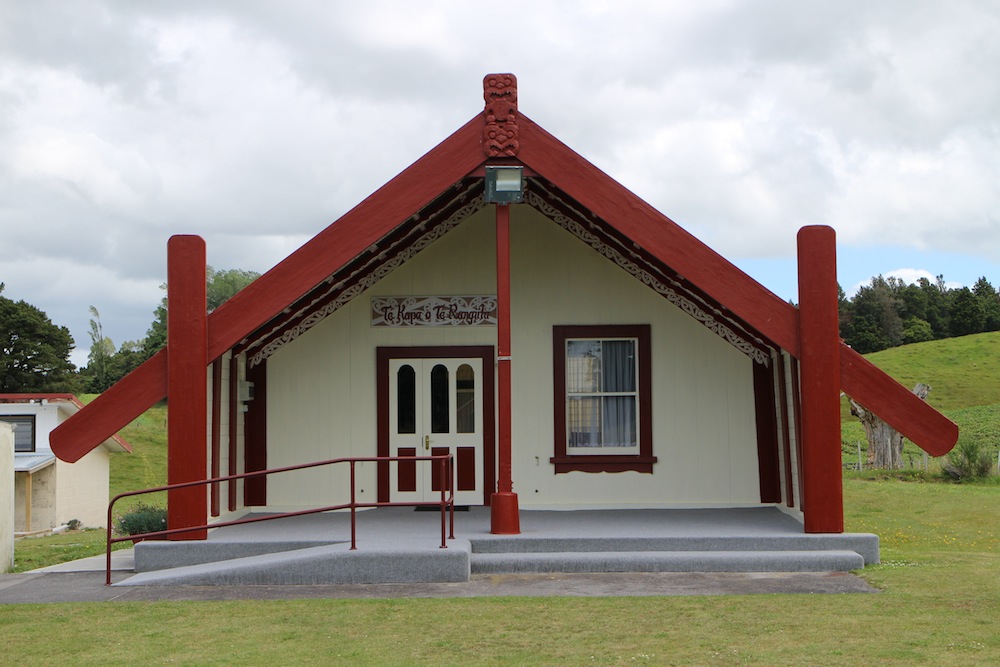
x,y
406,399
440,408
603,407
24,431
465,399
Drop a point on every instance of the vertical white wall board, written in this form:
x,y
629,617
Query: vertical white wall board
x,y
6,497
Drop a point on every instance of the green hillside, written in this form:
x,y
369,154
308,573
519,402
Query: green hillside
x,y
962,372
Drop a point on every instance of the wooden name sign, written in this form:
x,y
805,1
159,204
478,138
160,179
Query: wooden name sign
x,y
434,311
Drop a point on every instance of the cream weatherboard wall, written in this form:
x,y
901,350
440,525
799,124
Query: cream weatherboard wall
x,y
6,497
322,386
82,490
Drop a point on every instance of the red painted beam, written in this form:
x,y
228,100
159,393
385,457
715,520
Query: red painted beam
x,y
112,411
234,425
819,354
216,424
869,385
504,515
187,383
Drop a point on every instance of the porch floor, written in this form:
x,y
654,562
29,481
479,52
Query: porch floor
x,y
400,545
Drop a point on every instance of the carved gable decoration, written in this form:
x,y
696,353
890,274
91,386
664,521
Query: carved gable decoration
x,y
500,133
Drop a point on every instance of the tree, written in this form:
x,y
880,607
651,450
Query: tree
x,y
967,315
220,287
105,366
102,349
845,312
990,300
34,352
937,307
126,359
875,323
156,335
885,444
916,330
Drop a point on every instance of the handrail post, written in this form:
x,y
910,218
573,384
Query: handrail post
x,y
451,509
354,526
107,552
443,477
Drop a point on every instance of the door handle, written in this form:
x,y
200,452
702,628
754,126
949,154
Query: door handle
x,y
427,442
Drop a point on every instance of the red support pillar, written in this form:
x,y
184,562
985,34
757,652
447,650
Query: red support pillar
x,y
187,391
819,355
504,517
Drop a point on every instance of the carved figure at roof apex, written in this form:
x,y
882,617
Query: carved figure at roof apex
x,y
500,132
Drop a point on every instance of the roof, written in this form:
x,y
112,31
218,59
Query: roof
x,y
68,405
32,462
335,263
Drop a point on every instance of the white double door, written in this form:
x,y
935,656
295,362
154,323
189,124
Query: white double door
x,y
435,408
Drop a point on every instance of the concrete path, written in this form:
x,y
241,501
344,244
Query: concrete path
x,y
42,587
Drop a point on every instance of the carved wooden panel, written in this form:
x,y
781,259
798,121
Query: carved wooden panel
x,y
500,135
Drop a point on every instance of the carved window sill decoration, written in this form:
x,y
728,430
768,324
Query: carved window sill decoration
x,y
578,463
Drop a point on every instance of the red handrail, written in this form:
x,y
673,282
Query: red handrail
x,y
447,503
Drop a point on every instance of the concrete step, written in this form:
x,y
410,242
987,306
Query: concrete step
x,y
667,561
864,545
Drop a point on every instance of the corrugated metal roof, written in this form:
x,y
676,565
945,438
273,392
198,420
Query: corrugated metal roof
x,y
30,462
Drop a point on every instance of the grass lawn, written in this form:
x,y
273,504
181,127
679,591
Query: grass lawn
x,y
34,552
940,579
146,466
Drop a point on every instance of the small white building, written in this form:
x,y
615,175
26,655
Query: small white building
x,y
48,492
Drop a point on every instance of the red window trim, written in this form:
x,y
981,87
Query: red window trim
x,y
644,460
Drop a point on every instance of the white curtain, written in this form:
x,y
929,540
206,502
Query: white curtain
x,y
619,376
600,368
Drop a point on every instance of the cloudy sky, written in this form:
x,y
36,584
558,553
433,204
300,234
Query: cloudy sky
x,y
255,124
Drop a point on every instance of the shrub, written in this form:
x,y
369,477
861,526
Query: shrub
x,y
969,460
142,519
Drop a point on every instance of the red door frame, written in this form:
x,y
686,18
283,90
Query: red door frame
x,y
484,352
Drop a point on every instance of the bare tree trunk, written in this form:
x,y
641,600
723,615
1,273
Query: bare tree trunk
x,y
885,444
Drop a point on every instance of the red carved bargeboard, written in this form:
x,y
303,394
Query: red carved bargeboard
x,y
500,133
